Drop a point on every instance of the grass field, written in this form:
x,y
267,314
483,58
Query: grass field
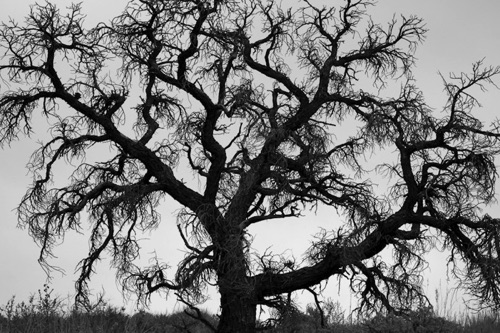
x,y
46,313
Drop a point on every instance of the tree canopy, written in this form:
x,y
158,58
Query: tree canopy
x,y
251,100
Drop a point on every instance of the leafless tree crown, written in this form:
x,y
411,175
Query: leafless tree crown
x,y
254,100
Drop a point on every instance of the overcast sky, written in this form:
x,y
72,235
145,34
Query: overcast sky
x,y
460,33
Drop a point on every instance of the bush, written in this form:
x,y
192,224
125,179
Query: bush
x,y
42,313
483,322
421,321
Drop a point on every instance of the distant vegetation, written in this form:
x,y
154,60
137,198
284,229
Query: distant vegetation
x,y
44,312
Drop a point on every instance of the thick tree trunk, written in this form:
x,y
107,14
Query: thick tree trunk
x,y
238,313
238,300
238,292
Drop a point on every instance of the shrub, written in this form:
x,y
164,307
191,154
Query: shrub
x,y
420,321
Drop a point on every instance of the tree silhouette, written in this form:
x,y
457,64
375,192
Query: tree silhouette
x,y
254,100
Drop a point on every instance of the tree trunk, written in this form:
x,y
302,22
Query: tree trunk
x,y
238,313
238,300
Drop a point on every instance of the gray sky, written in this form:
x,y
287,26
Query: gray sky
x,y
460,33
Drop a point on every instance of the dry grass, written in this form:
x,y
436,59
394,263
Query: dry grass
x,y
44,313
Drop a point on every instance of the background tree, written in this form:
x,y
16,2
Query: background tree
x,y
251,98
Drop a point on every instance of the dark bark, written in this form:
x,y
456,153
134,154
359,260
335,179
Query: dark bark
x,y
238,301
238,312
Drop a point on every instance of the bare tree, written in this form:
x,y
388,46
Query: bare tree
x,y
251,98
